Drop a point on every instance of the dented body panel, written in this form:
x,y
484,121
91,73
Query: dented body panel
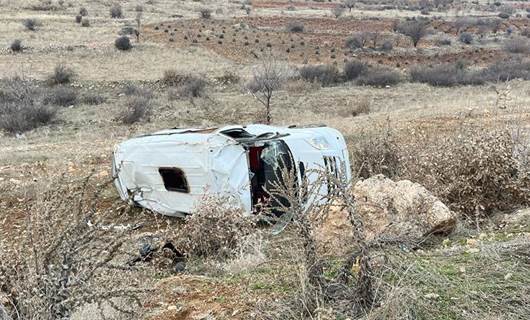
x,y
170,171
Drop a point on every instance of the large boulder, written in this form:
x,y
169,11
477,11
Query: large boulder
x,y
392,211
402,209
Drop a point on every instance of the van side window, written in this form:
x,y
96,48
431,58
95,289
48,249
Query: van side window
x,y
174,179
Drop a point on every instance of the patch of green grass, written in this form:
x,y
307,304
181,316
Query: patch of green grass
x,y
461,285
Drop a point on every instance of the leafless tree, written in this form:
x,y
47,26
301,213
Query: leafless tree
x,y
350,4
414,29
267,78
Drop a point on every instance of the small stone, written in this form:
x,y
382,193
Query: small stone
x,y
431,296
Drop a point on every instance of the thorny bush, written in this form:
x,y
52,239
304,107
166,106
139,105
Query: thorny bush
x,y
376,153
475,172
137,108
215,229
22,107
65,257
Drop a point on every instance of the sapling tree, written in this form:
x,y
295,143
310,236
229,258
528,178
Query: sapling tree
x,y
267,78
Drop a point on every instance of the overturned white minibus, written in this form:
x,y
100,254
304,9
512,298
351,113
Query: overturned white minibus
x,y
170,171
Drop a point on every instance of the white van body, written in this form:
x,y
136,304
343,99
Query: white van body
x,y
170,171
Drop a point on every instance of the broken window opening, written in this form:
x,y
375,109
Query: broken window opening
x,y
174,179
266,164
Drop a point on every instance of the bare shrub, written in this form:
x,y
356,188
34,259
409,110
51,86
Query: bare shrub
x,y
116,11
267,78
123,43
205,13
187,85
137,108
375,152
345,287
387,46
517,45
21,107
228,77
61,96
380,77
466,37
350,4
133,90
474,172
93,99
192,86
44,5
173,77
31,24
360,107
507,70
85,23
78,18
326,75
65,258
462,23
16,46
83,12
61,75
446,75
217,213
414,29
354,69
357,41
295,26
337,11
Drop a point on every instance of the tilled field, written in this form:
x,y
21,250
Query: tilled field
x,y
247,40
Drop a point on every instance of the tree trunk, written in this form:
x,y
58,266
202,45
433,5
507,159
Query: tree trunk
x,y
268,110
